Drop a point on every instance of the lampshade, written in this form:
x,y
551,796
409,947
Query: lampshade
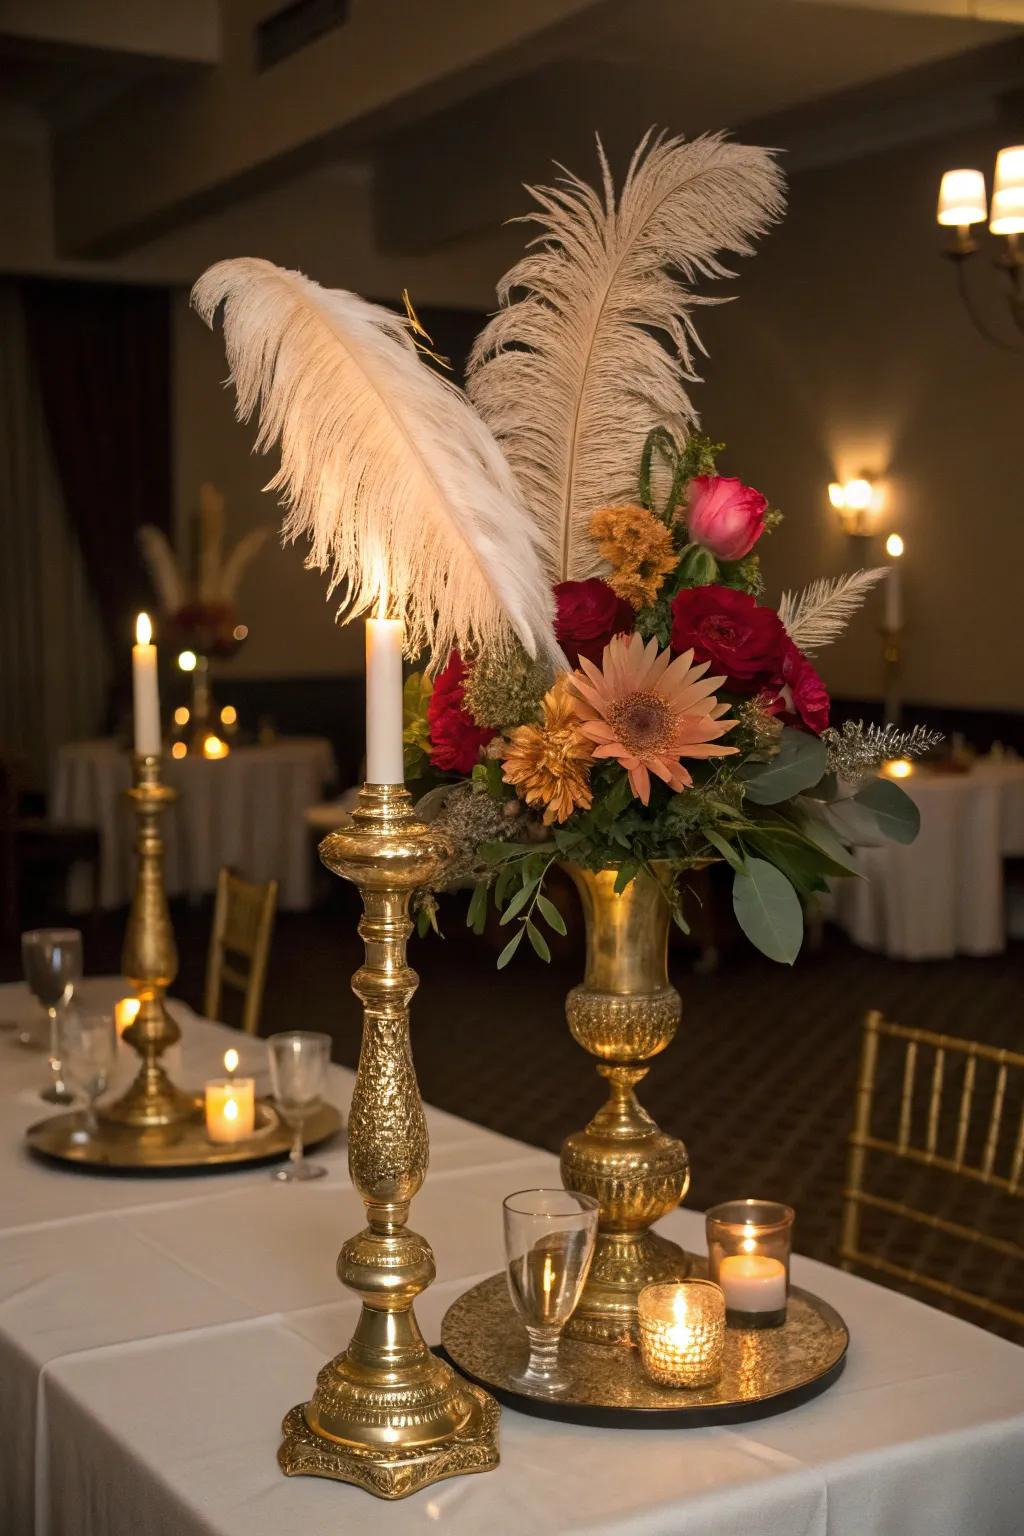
x,y
962,198
1008,192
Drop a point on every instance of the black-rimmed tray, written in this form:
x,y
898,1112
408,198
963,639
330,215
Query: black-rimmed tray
x,y
179,1149
766,1371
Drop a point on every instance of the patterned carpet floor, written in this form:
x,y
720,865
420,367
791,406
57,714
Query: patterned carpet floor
x,y
759,1082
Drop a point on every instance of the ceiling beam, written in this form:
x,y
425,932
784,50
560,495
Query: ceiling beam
x,y
168,153
187,32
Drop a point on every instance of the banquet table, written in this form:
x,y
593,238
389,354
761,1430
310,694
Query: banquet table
x,y
942,894
246,810
154,1332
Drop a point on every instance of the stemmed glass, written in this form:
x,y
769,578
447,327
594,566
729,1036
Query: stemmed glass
x,y
52,958
299,1060
549,1243
89,1049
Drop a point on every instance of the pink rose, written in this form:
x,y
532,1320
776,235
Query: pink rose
x,y
725,516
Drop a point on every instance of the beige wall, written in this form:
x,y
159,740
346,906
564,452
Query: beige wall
x,y
846,350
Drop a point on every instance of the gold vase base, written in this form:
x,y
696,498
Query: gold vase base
x,y
394,1473
153,1107
621,1267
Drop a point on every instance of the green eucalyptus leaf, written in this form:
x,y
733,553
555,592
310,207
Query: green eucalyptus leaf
x,y
768,910
799,763
551,914
476,915
895,812
517,904
537,939
729,853
510,949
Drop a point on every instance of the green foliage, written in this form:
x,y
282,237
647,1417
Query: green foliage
x,y
800,763
415,726
894,811
768,910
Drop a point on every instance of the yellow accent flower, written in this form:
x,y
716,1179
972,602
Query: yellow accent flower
x,y
639,549
549,764
648,711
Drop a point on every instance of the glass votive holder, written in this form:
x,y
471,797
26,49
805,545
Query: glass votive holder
x,y
749,1243
682,1332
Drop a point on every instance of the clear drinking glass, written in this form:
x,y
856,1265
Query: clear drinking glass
x,y
89,1052
549,1243
299,1060
52,959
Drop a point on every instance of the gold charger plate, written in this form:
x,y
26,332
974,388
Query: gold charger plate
x,y
766,1371
182,1148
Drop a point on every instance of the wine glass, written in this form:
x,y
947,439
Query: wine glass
x,y
89,1053
299,1059
52,959
549,1243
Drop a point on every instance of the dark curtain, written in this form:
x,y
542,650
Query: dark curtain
x,y
102,355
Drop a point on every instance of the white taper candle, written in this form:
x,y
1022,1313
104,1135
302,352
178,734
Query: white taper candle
x,y
145,690
384,756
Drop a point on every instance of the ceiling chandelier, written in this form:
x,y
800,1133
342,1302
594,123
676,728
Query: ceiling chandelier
x,y
962,203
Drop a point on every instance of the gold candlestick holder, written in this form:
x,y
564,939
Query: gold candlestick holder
x,y
150,962
387,1414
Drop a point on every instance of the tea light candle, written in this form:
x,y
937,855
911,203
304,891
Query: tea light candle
x,y
230,1109
753,1283
125,1012
682,1333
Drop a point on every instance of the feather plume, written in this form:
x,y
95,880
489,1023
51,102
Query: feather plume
x,y
573,373
822,611
399,486
162,564
234,566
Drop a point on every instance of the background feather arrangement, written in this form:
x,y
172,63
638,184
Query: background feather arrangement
x,y
401,489
820,613
594,337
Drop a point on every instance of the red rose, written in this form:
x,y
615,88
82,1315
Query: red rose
x,y
455,737
797,692
588,614
730,630
724,515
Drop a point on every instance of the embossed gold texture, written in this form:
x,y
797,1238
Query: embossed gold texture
x,y
150,961
624,1013
387,1415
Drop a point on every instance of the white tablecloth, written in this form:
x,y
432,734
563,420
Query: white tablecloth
x,y
943,894
154,1332
246,810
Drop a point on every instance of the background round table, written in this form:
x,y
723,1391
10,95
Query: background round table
x,y
943,894
246,810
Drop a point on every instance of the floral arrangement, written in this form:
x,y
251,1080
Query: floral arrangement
x,y
199,605
689,727
606,685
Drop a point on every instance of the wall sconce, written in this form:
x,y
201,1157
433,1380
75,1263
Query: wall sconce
x,y
963,203
855,500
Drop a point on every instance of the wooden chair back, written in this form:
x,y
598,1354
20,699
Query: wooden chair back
x,y
953,1118
243,921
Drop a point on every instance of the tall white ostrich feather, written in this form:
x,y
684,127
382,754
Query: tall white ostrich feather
x,y
400,488
594,336
819,614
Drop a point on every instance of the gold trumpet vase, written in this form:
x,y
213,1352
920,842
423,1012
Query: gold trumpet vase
x,y
150,962
624,1013
387,1414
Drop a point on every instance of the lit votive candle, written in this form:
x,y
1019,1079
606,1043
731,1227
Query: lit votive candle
x,y
682,1332
125,1012
749,1244
230,1109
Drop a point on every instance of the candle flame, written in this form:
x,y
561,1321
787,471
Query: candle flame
x,y
231,1109
126,1012
894,546
749,1245
231,1060
548,1279
143,629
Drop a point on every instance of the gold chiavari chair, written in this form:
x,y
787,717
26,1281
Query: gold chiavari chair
x,y
243,921
984,1149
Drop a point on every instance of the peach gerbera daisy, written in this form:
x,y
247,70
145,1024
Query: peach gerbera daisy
x,y
648,711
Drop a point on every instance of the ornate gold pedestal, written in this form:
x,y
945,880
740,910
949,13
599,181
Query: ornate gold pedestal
x,y
150,962
624,1013
387,1415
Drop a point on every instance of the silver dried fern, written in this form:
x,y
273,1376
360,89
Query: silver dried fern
x,y
594,335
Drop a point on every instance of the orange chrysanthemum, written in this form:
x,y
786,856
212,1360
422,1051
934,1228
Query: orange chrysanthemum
x,y
648,711
639,549
549,764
